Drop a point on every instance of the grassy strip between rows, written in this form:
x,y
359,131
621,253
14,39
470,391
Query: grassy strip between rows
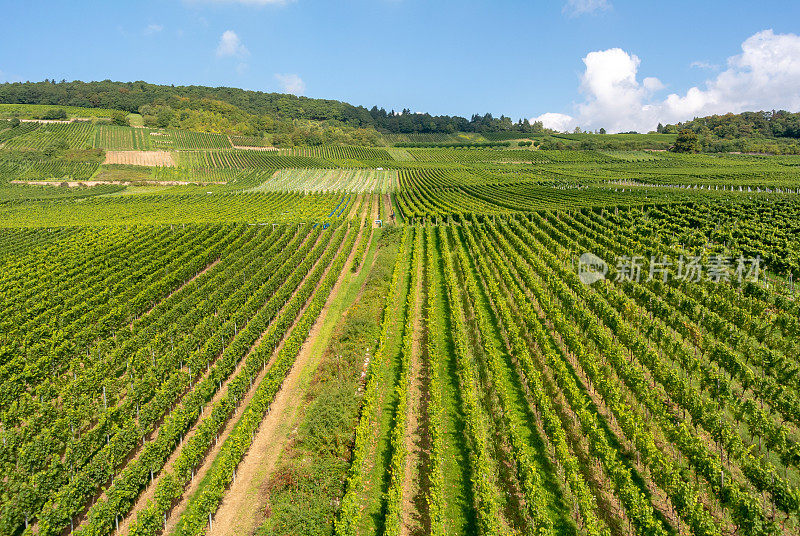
x,y
304,490
350,513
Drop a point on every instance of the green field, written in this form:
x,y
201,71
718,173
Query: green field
x,y
358,340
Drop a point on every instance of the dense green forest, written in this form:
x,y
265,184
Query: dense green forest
x,y
133,96
774,132
772,124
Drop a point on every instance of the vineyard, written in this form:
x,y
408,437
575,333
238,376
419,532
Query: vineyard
x,y
33,111
205,336
119,138
248,141
181,139
244,159
345,153
629,407
323,180
76,135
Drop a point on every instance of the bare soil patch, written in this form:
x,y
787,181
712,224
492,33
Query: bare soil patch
x,y
388,209
140,158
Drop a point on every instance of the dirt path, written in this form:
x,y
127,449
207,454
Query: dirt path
x,y
149,493
238,512
415,515
76,184
54,121
388,209
356,208
375,209
251,148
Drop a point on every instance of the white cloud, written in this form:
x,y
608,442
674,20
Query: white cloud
x,y
231,45
574,8
291,83
612,91
153,28
766,75
704,65
556,121
652,84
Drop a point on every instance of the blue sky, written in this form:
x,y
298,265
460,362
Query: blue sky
x,y
581,62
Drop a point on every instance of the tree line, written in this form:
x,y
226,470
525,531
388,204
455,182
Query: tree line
x,y
765,124
132,96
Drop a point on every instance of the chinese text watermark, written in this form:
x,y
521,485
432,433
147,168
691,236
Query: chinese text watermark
x,y
694,269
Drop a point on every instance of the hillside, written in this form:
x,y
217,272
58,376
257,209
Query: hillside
x,y
133,96
285,120
206,334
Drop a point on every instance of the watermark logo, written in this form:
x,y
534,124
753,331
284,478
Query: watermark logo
x,y
591,268
692,269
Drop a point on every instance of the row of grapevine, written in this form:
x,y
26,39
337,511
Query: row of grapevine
x,y
746,515
38,110
256,304
44,169
683,496
343,152
760,471
7,132
82,425
244,159
583,503
121,138
350,511
397,465
333,180
483,468
689,419
195,206
258,378
248,141
186,140
76,135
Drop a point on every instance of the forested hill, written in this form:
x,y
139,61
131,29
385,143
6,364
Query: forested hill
x,y
133,96
774,124
292,120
